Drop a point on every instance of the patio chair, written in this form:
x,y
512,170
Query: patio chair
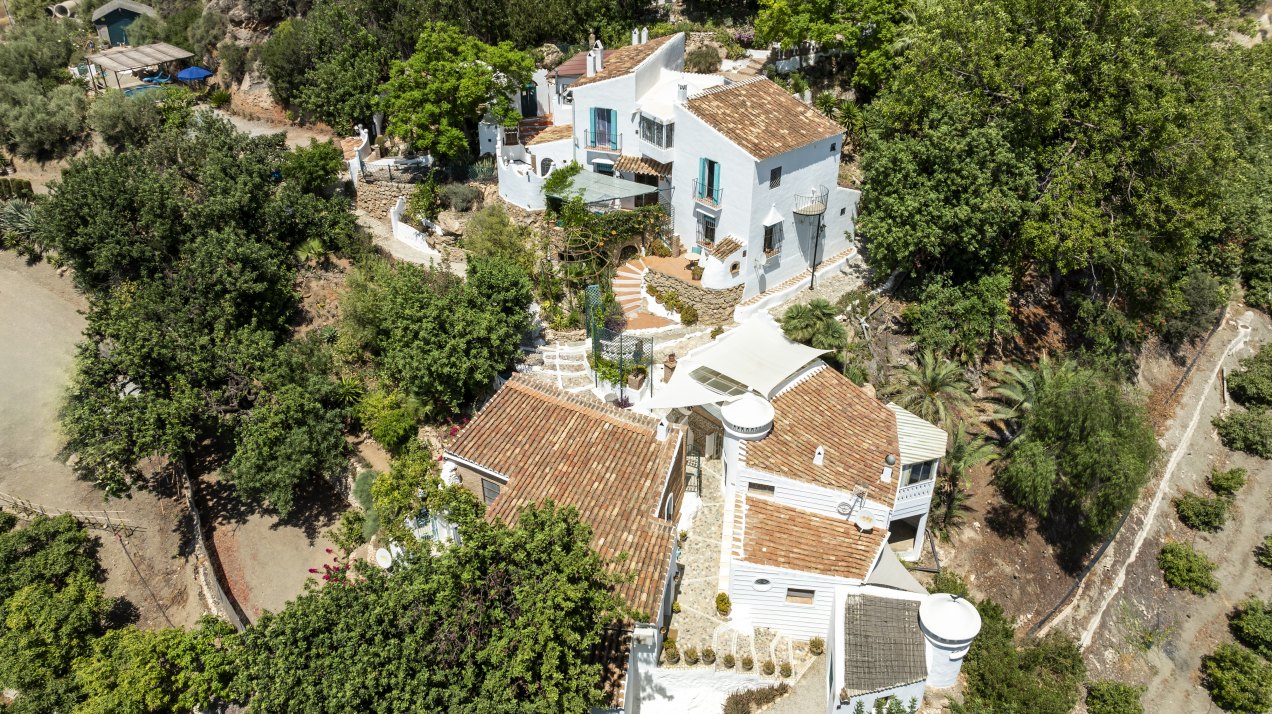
x,y
160,78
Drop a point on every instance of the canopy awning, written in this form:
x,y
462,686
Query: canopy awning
x,y
595,188
890,573
757,355
122,59
682,391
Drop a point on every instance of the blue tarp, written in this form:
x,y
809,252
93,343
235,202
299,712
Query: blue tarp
x,y
193,74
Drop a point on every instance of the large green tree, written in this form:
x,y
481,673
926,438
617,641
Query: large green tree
x,y
1084,450
435,98
505,620
1101,151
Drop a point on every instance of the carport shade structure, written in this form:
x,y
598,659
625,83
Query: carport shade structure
x,y
123,59
597,188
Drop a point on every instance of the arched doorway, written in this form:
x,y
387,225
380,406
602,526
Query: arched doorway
x,y
545,166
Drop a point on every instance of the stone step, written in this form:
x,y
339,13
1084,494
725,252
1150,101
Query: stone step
x,y
621,280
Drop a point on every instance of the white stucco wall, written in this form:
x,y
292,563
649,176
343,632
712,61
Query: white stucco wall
x,y
407,233
769,608
519,186
810,497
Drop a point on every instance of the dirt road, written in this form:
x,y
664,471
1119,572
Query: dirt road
x,y
1154,636
39,326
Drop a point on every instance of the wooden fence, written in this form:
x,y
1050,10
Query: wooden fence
x,y
104,520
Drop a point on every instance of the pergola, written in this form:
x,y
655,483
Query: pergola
x,y
125,59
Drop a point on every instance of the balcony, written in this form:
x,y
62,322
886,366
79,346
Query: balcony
x,y
913,499
707,194
603,141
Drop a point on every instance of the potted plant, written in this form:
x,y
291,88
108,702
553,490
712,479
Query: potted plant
x,y
636,379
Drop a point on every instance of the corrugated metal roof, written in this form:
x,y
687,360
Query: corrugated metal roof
x,y
114,5
919,439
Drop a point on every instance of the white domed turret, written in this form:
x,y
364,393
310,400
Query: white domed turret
x,y
749,418
949,625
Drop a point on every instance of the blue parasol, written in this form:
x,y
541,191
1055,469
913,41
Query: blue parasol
x,y
193,74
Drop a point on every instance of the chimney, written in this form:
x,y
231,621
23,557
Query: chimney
x,y
669,367
819,456
600,56
644,35
635,37
661,434
682,93
591,63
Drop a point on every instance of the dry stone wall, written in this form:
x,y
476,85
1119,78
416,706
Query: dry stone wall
x,y
715,307
379,197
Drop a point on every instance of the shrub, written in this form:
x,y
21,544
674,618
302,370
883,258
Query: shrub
x,y
1263,552
786,670
717,331
1251,624
490,232
817,646
459,197
1226,483
424,202
1237,679
708,655
349,534
387,418
42,123
559,180
728,661
752,700
219,98
691,655
313,168
659,248
1251,384
233,58
768,668
748,662
947,581
1202,514
723,604
1186,569
688,315
122,120
1109,697
675,606
1248,431
703,60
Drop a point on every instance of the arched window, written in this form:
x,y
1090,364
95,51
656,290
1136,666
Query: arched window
x,y
669,508
545,166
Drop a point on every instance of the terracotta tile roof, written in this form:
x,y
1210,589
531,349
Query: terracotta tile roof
x,y
576,66
857,431
786,537
604,461
643,165
552,133
724,248
623,61
611,653
761,117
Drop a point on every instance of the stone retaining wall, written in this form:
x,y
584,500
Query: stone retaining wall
x,y
715,307
379,197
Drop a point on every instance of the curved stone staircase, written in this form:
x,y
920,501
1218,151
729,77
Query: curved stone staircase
x,y
629,284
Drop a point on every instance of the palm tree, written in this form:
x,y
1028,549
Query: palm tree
x,y
805,321
934,388
967,452
1018,389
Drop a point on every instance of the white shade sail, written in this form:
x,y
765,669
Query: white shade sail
x,y
757,355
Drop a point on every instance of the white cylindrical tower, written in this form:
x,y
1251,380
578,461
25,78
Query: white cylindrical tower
x,y
949,625
749,418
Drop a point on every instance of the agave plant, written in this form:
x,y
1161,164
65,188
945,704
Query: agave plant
x,y
18,225
935,389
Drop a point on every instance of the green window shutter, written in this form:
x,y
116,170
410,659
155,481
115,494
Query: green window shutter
x,y
592,116
613,123
702,177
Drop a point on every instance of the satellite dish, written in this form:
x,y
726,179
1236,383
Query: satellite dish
x,y
383,558
866,522
844,508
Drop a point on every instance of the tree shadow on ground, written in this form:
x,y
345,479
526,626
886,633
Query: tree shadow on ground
x,y
122,613
315,509
1008,521
220,505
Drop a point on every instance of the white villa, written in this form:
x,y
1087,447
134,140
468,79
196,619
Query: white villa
x,y
825,490
748,172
